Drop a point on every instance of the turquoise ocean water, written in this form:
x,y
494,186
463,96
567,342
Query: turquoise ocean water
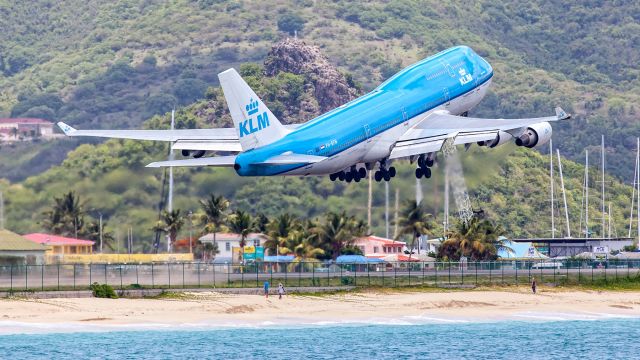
x,y
598,339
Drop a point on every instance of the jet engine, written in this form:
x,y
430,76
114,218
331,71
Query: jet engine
x,y
535,135
502,138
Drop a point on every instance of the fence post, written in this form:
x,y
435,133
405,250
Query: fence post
x,y
213,266
105,274
183,275
74,276
26,277
120,266
423,273
257,281
89,274
355,272
409,266
579,267
462,272
42,277
313,274
592,272
228,275
58,277
137,277
328,279
153,284
449,272
300,273
395,275
198,274
271,272
436,273
477,273
169,273
11,278
369,274
490,266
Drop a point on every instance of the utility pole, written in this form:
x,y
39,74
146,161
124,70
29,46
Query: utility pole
x,y
586,197
171,157
609,232
564,195
386,208
603,204
100,224
1,211
553,225
190,231
395,221
638,190
370,201
633,192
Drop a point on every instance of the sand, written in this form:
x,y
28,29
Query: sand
x,y
215,309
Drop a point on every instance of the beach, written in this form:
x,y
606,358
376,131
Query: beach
x,y
211,309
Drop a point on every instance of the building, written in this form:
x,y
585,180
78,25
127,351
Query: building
x,y
15,249
60,245
228,241
567,247
10,129
378,247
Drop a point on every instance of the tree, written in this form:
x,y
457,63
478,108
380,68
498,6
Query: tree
x,y
239,222
92,232
290,23
171,223
338,232
66,216
278,230
214,208
478,239
414,221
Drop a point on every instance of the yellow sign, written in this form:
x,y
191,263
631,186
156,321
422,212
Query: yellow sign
x,y
249,249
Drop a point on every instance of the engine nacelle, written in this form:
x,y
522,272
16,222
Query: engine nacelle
x,y
502,138
535,135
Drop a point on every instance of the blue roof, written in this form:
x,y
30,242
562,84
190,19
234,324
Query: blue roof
x,y
279,258
356,259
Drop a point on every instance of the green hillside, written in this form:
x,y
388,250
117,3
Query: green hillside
x,y
102,65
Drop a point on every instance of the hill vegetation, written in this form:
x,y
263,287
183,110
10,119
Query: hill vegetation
x,y
103,65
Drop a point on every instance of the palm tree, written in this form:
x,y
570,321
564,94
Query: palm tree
x,y
338,231
477,239
260,223
171,223
240,223
66,216
414,221
92,232
214,208
278,230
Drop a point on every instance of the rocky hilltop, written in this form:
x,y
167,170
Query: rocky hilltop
x,y
331,88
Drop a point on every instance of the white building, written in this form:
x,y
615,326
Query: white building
x,y
227,241
13,128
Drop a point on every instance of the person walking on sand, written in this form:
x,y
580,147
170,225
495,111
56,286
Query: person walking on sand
x,y
533,285
280,290
266,289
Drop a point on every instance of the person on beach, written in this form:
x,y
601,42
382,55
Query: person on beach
x,y
533,285
266,289
280,290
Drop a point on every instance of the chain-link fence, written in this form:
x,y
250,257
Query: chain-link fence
x,y
309,274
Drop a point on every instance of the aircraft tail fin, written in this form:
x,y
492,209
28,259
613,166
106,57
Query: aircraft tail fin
x,y
255,123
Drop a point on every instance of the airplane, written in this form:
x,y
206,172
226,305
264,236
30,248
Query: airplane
x,y
411,115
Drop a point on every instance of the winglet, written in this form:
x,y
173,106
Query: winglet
x,y
561,114
66,129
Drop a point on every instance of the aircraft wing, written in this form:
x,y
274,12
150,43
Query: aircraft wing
x,y
217,161
430,134
220,139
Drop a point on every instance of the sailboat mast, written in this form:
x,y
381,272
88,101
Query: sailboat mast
x,y
603,201
553,225
564,195
586,196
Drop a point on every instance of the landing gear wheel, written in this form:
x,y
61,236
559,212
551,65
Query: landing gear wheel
x,y
429,162
348,177
377,176
421,162
332,177
386,176
341,175
419,172
357,178
362,172
427,172
392,171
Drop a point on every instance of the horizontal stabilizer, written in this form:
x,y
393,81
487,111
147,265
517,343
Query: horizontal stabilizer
x,y
291,159
218,161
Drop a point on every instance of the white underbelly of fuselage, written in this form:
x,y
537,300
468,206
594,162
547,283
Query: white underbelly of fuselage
x,y
379,147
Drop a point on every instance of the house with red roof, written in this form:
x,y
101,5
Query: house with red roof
x,y
60,245
13,128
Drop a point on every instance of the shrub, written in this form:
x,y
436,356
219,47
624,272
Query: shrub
x,y
290,23
103,291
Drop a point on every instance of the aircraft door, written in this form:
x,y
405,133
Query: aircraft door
x,y
367,132
447,98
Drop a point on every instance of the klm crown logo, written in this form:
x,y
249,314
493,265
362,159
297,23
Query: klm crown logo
x,y
252,107
248,126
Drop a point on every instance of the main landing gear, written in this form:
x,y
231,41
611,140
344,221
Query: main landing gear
x,y
424,164
353,174
384,173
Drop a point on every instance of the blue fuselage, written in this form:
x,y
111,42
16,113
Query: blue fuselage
x,y
415,90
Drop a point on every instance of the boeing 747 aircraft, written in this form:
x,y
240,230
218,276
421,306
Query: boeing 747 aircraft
x,y
411,115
